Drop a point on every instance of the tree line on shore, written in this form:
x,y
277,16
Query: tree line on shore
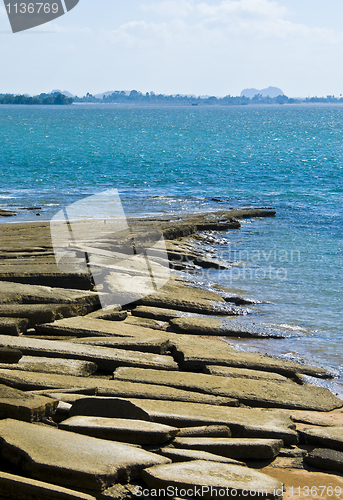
x,y
47,99
135,97
122,97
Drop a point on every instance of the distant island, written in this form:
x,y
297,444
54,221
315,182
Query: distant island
x,y
270,95
269,92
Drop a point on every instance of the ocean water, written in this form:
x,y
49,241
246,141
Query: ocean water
x,y
183,159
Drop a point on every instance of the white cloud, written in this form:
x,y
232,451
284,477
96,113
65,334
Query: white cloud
x,y
68,29
172,8
199,23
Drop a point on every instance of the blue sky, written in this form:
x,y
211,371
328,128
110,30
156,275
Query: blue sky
x,y
179,46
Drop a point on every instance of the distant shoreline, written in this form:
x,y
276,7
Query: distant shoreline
x,y
176,105
120,98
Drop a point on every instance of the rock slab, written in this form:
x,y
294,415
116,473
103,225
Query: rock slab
x,y
13,326
9,355
223,327
124,430
243,422
210,480
261,393
71,460
110,388
325,459
108,407
23,406
195,355
186,455
326,437
237,448
22,488
155,345
107,359
61,366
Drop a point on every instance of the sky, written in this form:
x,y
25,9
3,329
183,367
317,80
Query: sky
x,y
206,47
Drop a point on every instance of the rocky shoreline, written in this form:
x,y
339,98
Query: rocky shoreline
x,y
148,401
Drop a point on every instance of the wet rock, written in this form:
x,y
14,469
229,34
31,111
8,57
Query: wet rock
x,y
13,326
154,345
209,480
185,298
261,393
237,448
109,388
227,371
7,213
326,437
61,366
325,459
9,355
243,422
107,359
107,407
205,431
223,327
77,461
23,406
238,300
124,430
22,488
192,356
186,455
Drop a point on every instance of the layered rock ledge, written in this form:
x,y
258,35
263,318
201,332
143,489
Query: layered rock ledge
x,y
105,404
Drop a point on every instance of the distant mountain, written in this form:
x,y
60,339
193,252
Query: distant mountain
x,y
64,92
269,92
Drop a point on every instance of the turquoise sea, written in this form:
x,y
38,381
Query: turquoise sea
x,y
206,158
